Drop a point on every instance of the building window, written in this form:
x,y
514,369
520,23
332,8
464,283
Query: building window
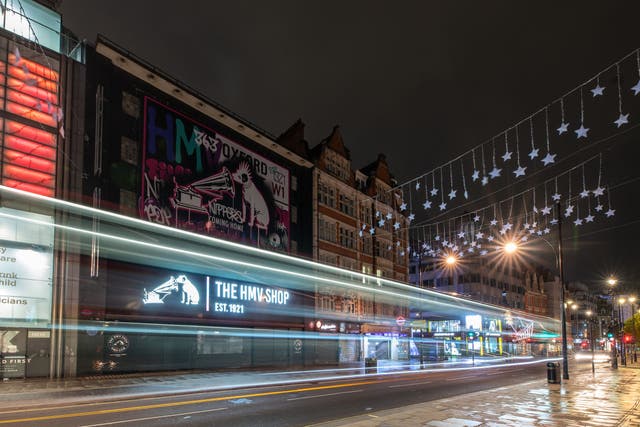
x,y
366,245
346,238
294,214
346,205
326,195
327,230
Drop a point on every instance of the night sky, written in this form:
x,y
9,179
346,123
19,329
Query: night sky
x,y
422,82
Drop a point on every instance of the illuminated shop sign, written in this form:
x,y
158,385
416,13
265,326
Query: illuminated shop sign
x,y
198,179
213,295
26,268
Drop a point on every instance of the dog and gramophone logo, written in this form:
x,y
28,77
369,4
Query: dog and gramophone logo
x,y
176,290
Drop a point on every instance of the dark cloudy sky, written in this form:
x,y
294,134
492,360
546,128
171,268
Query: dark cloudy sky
x,y
421,81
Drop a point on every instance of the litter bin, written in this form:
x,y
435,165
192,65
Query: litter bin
x,y
371,364
553,373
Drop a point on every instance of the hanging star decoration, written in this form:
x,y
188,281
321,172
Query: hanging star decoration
x,y
599,208
556,197
597,91
494,222
483,252
548,159
581,132
479,236
577,222
389,215
524,238
461,235
589,218
475,175
437,238
443,206
506,156
599,191
377,214
520,171
403,206
452,194
434,191
610,213
564,127
568,211
533,153
546,210
411,217
508,226
495,172
427,204
554,221
417,185
372,231
622,120
476,218
381,222
584,194
636,88
490,238
485,180
360,233
396,225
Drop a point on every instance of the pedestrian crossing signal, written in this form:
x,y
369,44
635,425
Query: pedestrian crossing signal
x,y
471,335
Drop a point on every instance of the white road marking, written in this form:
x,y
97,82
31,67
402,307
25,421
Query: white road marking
x,y
324,395
154,418
409,385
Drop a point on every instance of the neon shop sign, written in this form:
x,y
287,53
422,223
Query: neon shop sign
x,y
231,296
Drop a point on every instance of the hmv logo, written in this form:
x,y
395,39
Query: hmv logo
x,y
176,289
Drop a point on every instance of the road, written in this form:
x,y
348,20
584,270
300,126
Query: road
x,y
291,405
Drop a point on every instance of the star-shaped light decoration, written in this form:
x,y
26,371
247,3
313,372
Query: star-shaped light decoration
x,y
520,171
636,88
475,175
434,191
360,233
461,235
526,225
598,191
426,204
589,218
381,223
442,206
597,91
556,197
445,242
494,222
479,236
581,132
554,221
490,238
546,210
622,120
485,180
539,232
437,238
508,226
396,225
532,231
377,214
506,156
389,215
548,159
584,194
411,217
503,231
403,206
599,208
372,231
397,244
417,185
610,213
483,252
533,153
578,221
564,127
547,230
452,194
495,172
568,211
476,218
524,238
470,250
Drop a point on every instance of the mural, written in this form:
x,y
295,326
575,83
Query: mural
x,y
195,178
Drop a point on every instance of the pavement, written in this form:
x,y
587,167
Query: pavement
x,y
607,398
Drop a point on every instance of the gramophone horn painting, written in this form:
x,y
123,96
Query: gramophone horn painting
x,y
197,179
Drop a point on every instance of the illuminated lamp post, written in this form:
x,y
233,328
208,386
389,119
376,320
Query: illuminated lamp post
x,y
591,341
632,300
623,347
612,282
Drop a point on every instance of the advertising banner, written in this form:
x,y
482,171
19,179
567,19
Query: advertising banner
x,y
146,293
198,179
26,268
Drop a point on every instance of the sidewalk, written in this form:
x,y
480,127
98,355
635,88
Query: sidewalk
x,y
612,398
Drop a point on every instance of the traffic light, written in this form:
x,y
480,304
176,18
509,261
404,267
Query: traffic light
x,y
471,335
610,335
627,339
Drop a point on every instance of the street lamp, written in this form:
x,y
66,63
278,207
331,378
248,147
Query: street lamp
x,y
612,281
623,354
591,341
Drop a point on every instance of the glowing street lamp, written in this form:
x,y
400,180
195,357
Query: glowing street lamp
x,y
510,247
612,281
451,260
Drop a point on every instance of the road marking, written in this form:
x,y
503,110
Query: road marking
x,y
324,395
185,402
409,385
154,418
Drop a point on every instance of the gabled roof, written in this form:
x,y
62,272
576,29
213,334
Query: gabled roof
x,y
335,142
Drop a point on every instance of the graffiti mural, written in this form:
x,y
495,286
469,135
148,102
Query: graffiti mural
x,y
197,179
